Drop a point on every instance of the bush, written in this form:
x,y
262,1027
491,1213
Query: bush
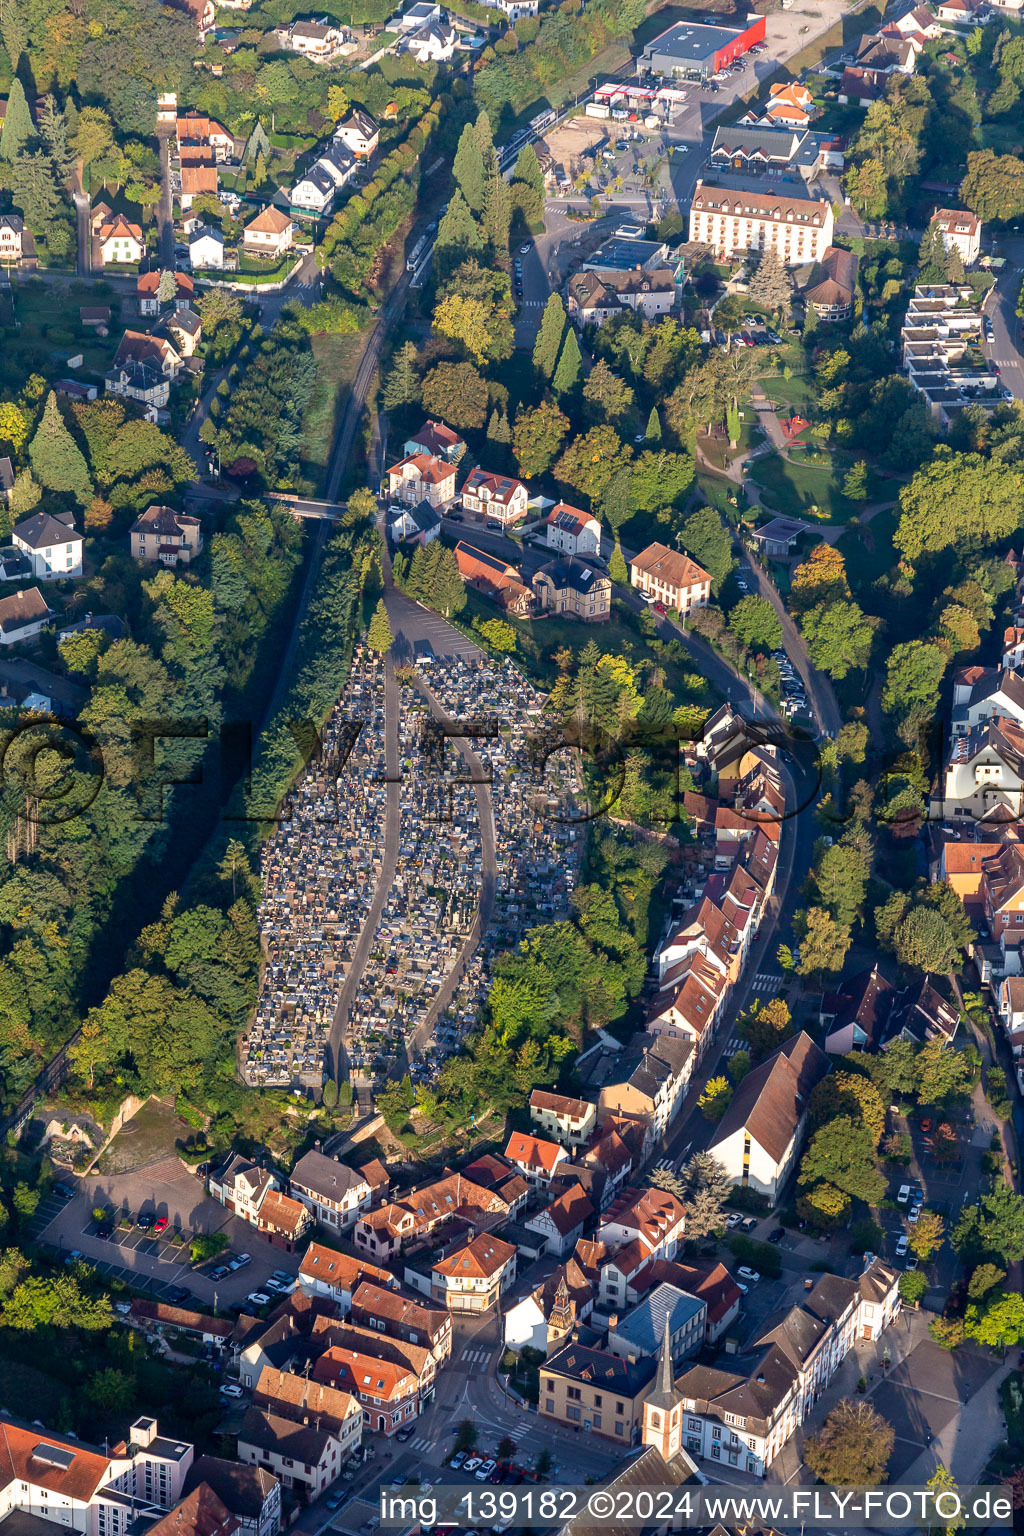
x,y
206,1246
764,1257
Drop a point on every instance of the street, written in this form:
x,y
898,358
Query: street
x,y
1001,309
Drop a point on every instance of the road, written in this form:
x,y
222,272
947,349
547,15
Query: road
x,y
165,207
1001,308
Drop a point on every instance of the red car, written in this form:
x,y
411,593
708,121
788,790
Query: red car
x,y
660,608
160,1225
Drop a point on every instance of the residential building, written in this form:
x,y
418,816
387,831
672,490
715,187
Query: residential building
x,y
568,1120
888,52
50,544
924,1014
120,241
689,1002
334,1193
595,1390
301,1456
571,531
689,49
196,130
325,1272
961,866
561,1223
360,134
494,578
710,1282
421,478
594,298
984,775
434,43
777,537
858,1013
199,1513
435,441
1002,895
649,1082
251,1494
141,347
146,289
653,1216
495,496
985,693
205,248
242,1186
537,1159
62,1480
12,239
316,189
859,87
572,587
790,105
311,1402
185,330
759,1135
831,286
732,222
642,1330
159,1317
316,40
328,1333
161,533
960,231
941,336
384,1232
743,1416
474,1275
270,234
283,1221
400,1317
671,578
546,1317
387,1393
23,615
414,525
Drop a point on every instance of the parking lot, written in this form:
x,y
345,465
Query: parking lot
x,y
155,1262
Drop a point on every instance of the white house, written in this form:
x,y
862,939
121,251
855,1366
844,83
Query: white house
x,y
317,188
23,615
206,248
270,234
985,693
121,241
316,40
333,1192
497,496
960,230
359,133
51,544
242,1186
433,44
759,1135
572,531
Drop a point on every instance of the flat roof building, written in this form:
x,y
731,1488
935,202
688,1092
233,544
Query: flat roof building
x,y
693,49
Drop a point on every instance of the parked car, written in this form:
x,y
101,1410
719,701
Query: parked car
x,y
258,1298
220,1273
471,1464
904,1194
527,247
733,1220
744,1288
64,1191
457,1460
915,1213
239,1261
455,517
484,1472
660,608
776,1234
902,1246
748,1274
178,1294
406,1432
911,1262
335,1500
748,1223
160,1225
230,1389
144,1222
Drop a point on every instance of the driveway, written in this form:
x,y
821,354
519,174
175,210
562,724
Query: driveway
x,y
150,1262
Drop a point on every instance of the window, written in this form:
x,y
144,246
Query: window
x,y
573,1414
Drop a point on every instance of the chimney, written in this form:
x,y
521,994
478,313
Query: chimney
x,y
613,1321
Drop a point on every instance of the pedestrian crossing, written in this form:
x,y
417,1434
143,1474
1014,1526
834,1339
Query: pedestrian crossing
x,y
475,1359
422,1443
766,985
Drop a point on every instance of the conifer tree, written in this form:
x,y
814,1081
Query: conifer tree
x,y
468,170
528,169
548,345
458,236
498,429
259,174
17,128
652,437
570,365
617,565
379,637
57,460
402,384
167,287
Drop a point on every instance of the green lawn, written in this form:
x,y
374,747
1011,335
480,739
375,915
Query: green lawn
x,y
337,358
792,488
796,391
868,550
48,325
146,1138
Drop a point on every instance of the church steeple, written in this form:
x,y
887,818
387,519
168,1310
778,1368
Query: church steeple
x,y
662,1419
